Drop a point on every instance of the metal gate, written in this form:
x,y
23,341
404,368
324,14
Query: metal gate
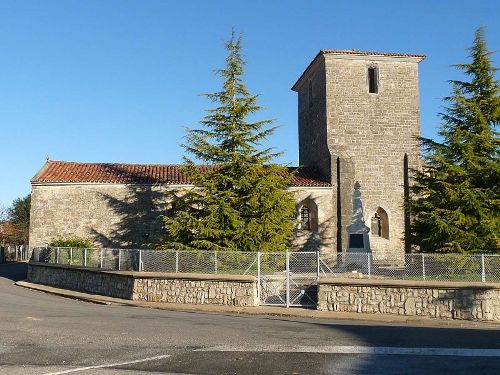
x,y
289,279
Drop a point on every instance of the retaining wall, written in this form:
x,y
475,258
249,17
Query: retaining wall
x,y
233,290
446,300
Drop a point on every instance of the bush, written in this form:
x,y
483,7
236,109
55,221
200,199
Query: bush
x,y
74,242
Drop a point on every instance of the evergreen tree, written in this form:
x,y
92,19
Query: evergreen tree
x,y
240,201
458,191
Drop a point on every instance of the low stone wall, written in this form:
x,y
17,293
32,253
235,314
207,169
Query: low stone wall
x,y
112,284
233,290
197,289
448,300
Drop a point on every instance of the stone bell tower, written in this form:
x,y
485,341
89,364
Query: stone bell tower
x,y
359,121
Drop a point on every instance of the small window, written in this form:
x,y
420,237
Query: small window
x,y
380,224
307,213
305,218
372,80
376,225
310,94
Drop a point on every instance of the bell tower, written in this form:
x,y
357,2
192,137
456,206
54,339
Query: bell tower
x,y
359,122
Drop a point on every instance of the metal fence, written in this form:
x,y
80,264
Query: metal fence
x,y
13,253
445,267
286,279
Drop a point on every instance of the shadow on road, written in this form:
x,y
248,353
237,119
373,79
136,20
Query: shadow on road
x,y
418,337
14,271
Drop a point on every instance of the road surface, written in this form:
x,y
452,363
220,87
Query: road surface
x,y
47,334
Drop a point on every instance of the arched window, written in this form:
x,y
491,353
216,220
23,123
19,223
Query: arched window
x,y
308,215
380,224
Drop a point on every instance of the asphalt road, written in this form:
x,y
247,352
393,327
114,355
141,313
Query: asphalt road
x,y
47,334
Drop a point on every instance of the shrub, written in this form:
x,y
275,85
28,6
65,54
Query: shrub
x,y
75,242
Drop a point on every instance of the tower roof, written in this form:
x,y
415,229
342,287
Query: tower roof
x,y
353,53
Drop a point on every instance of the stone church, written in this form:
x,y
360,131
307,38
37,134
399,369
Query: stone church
x,y
358,127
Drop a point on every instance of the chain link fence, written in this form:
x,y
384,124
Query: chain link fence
x,y
13,253
428,266
301,265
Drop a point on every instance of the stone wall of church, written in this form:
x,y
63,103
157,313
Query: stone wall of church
x,y
128,216
111,215
321,238
371,133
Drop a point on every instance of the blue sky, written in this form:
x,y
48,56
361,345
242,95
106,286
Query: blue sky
x,y
118,81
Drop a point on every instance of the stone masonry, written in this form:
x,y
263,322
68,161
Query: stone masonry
x,y
112,284
110,215
196,290
351,135
231,290
129,216
445,300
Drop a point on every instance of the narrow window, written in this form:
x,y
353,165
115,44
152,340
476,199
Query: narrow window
x,y
380,224
308,215
376,225
310,93
305,218
372,80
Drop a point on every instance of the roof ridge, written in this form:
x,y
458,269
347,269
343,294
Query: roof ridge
x,y
108,163
377,53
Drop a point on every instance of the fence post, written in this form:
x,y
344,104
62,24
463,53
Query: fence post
x,y
100,265
57,255
483,271
287,271
70,255
423,266
318,269
140,260
176,261
119,258
369,265
215,261
258,277
85,257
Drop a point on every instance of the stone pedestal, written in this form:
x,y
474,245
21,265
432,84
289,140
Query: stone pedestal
x,y
358,240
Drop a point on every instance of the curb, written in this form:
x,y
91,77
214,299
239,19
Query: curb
x,y
272,311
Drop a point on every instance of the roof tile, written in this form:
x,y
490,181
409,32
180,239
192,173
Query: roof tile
x,y
169,174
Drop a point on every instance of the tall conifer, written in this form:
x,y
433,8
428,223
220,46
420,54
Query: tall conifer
x,y
458,204
240,201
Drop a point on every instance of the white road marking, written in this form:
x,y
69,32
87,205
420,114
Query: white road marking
x,y
458,352
109,365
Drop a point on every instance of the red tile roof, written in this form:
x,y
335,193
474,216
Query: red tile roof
x,y
169,174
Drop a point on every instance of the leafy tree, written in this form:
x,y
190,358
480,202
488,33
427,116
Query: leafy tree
x,y
240,201
458,191
18,217
3,214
